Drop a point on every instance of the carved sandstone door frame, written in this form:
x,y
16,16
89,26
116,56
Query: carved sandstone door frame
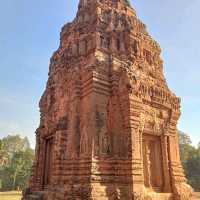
x,y
48,157
153,162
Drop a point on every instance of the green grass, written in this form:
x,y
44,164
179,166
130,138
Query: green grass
x,y
13,195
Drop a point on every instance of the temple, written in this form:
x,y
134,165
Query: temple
x,y
108,119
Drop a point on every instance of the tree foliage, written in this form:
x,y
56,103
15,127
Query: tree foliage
x,y
190,157
13,144
16,158
128,2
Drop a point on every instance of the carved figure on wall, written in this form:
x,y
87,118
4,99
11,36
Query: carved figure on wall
x,y
156,125
105,42
135,86
147,164
106,148
84,142
142,123
135,47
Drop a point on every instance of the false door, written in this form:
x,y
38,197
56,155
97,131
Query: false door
x,y
48,161
152,161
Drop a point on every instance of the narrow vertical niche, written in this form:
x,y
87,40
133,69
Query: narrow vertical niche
x,y
48,161
118,44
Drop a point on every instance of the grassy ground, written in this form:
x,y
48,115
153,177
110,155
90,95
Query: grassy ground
x,y
10,195
17,196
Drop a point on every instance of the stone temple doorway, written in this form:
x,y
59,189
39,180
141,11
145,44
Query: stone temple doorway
x,y
48,161
152,162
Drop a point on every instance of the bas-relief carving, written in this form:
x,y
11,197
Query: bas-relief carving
x,y
85,135
105,144
84,142
154,118
101,139
103,136
105,42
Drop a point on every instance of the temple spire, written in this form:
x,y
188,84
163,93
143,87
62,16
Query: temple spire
x,y
108,119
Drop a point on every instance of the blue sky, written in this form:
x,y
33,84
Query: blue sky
x,y
29,33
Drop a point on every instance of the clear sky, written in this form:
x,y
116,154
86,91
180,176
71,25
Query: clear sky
x,y
29,33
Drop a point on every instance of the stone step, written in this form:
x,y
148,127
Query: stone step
x,y
34,197
161,196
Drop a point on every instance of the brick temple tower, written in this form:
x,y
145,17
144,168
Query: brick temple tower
x,y
108,119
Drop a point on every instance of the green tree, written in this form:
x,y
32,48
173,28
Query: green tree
x,y
184,139
15,173
128,2
185,146
4,157
192,168
190,157
15,143
21,167
18,171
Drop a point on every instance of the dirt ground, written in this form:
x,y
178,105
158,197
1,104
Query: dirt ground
x,y
196,196
13,195
17,196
